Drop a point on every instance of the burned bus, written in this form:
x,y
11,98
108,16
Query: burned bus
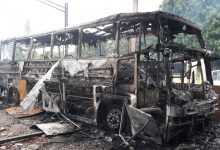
x,y
134,72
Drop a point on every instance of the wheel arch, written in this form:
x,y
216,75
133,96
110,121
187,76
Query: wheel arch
x,y
104,104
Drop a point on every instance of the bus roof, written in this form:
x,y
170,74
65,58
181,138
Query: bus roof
x,y
165,16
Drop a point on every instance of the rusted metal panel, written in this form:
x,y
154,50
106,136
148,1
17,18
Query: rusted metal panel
x,y
19,112
20,137
55,128
22,88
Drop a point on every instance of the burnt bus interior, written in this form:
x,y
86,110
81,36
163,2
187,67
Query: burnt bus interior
x,y
153,61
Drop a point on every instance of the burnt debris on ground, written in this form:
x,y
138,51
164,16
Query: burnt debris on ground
x,y
94,138
17,133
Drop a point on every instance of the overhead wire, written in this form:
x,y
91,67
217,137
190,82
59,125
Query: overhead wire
x,y
46,3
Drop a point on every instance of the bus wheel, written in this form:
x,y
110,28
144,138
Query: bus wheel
x,y
113,118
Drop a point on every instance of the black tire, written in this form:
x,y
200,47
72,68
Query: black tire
x,y
112,118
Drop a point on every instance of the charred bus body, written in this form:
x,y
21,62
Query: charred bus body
x,y
154,62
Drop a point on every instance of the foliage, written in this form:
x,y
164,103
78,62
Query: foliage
x,y
205,13
211,32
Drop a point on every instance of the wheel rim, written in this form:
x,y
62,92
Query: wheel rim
x,y
114,118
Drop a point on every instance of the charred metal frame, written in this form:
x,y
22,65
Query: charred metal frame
x,y
88,88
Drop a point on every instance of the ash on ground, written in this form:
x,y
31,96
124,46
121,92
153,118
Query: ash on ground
x,y
93,138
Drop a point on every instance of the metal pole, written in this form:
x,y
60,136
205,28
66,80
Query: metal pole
x,y
66,24
63,9
66,53
66,14
135,5
133,48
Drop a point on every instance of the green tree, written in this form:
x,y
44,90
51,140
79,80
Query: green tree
x,y
211,31
205,13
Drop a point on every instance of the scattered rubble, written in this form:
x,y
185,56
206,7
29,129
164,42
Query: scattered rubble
x,y
2,129
3,148
33,147
17,146
209,138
